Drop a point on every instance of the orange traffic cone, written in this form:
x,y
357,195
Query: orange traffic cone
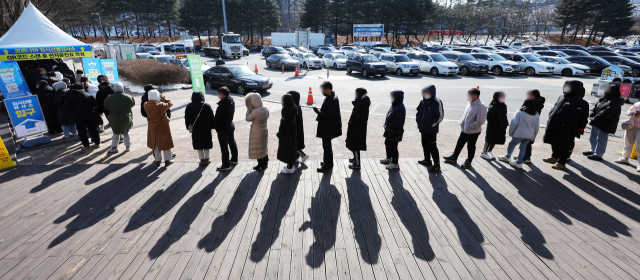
x,y
296,75
310,97
256,68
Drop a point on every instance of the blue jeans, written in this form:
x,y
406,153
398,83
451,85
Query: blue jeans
x,y
68,129
598,141
512,146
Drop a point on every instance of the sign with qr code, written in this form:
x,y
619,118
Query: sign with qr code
x,y
12,83
93,67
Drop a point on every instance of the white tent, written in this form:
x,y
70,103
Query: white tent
x,y
34,36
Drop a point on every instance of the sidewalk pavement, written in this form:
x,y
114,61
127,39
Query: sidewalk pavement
x,y
68,151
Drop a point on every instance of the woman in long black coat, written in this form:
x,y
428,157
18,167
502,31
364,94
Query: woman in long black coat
x,y
357,127
287,149
46,95
302,157
199,114
497,124
65,119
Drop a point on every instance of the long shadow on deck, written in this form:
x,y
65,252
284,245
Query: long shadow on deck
x,y
365,223
62,173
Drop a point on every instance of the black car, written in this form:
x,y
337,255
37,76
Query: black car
x,y
467,64
595,64
236,77
367,64
598,49
635,50
604,53
571,52
621,60
629,54
558,53
277,60
255,48
533,49
560,48
268,51
575,47
634,58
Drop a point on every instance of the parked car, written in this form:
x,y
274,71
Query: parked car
x,y
604,53
535,48
383,46
565,67
308,60
255,48
162,58
551,53
366,64
349,49
467,64
184,63
634,49
530,64
598,49
400,64
149,50
571,52
471,50
269,51
277,60
435,64
505,48
335,60
629,54
634,58
575,47
178,48
293,51
635,67
489,48
595,64
380,51
236,77
144,55
556,47
329,49
498,65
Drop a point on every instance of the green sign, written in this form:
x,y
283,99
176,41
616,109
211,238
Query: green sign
x,y
195,67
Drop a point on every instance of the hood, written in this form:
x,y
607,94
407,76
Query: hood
x,y
398,97
577,88
59,85
296,97
149,87
197,97
47,89
253,100
615,92
432,89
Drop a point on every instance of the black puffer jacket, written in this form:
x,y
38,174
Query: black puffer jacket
x,y
287,135
539,104
430,113
329,119
46,96
202,125
224,115
81,105
64,116
357,127
605,114
566,115
299,121
101,95
497,123
396,115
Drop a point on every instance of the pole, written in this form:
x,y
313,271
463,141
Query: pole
x,y
224,16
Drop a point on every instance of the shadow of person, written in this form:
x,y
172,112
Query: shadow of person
x,y
469,233
101,201
185,216
552,196
163,200
530,234
632,176
283,190
226,222
410,216
365,223
61,173
325,207
612,186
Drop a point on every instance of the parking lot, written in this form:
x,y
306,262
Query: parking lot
x,y
451,89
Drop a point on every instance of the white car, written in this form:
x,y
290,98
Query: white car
x,y
530,64
293,51
380,51
498,65
349,49
324,50
435,63
308,60
565,67
335,60
400,64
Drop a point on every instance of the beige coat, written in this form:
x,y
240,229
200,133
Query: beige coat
x,y
158,131
259,135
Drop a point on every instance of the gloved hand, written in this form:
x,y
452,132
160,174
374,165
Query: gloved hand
x,y
581,130
316,110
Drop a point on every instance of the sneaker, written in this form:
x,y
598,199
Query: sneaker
x,y
638,168
466,164
223,168
558,166
304,158
503,159
97,146
385,161
622,161
113,150
491,156
234,162
515,164
486,156
325,168
354,166
526,160
286,170
451,158
128,149
482,155
425,162
65,137
588,153
435,168
550,160
392,166
595,157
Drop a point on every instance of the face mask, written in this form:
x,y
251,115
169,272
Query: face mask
x,y
426,95
566,89
468,97
501,100
391,99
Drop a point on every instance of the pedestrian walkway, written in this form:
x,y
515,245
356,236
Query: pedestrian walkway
x,y
132,221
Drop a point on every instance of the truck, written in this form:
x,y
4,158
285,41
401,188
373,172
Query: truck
x,y
285,39
230,45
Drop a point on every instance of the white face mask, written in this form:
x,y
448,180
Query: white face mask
x,y
355,95
469,98
501,99
391,99
566,89
426,95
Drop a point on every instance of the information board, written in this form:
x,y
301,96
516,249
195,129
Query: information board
x,y
12,83
26,115
368,30
195,68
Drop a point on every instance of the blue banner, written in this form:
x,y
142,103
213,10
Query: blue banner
x,y
93,67
12,83
368,30
109,68
26,115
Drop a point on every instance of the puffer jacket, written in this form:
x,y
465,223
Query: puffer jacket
x,y
605,114
199,114
566,115
259,134
430,113
396,115
475,114
224,115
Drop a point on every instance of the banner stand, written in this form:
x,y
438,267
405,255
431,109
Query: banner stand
x,y
31,141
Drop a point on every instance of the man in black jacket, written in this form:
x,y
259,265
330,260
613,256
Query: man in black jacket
x,y
145,98
604,118
429,116
564,123
394,129
329,124
81,105
104,90
224,127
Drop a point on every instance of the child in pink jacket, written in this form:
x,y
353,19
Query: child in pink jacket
x,y
631,134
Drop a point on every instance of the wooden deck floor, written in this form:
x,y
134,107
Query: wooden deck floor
x,y
136,222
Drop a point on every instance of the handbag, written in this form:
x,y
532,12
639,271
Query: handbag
x,y
194,121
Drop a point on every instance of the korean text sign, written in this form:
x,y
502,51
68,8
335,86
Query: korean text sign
x,y
195,67
93,67
26,115
12,83
366,30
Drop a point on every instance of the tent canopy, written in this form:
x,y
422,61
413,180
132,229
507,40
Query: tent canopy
x,y
34,36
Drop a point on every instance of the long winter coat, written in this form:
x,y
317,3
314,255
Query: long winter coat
x,y
357,127
46,97
329,119
497,123
605,114
566,115
81,105
64,116
430,113
287,151
119,105
396,115
158,131
259,134
201,138
299,121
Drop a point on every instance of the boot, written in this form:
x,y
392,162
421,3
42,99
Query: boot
x,y
558,166
435,168
260,165
550,160
451,158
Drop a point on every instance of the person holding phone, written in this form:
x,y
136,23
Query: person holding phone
x,y
329,124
